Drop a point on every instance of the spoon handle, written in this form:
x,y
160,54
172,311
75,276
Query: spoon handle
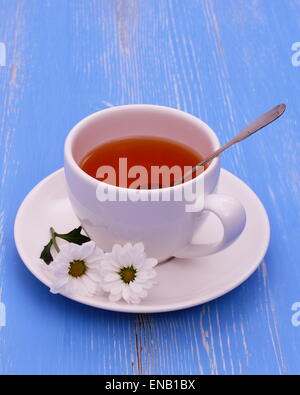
x,y
253,127
264,120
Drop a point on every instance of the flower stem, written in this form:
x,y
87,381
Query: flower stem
x,y
53,238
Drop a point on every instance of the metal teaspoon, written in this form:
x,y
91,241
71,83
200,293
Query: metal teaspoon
x,y
252,128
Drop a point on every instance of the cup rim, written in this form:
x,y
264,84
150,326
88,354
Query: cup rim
x,y
76,129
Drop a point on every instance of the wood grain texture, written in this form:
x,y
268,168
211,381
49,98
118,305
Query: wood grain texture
x,y
225,61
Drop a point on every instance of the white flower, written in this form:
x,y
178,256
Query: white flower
x,y
127,273
76,269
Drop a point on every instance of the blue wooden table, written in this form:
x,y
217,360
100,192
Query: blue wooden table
x,y
225,61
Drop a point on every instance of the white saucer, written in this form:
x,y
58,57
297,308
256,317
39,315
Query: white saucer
x,y
182,283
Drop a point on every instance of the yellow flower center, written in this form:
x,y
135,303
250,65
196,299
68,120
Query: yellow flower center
x,y
77,268
127,274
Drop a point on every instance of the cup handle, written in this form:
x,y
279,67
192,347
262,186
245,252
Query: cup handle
x,y
233,217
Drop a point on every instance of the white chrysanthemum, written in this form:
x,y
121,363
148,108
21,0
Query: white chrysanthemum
x,y
76,269
127,273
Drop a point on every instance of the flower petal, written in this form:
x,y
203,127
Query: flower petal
x,y
89,285
139,247
110,287
151,262
115,298
135,287
126,294
84,251
116,287
111,277
58,285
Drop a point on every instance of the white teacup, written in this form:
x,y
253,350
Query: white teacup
x,y
165,227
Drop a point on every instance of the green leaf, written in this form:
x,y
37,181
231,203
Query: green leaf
x,y
46,253
74,236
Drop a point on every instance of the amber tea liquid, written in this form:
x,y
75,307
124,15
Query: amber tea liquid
x,y
141,154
